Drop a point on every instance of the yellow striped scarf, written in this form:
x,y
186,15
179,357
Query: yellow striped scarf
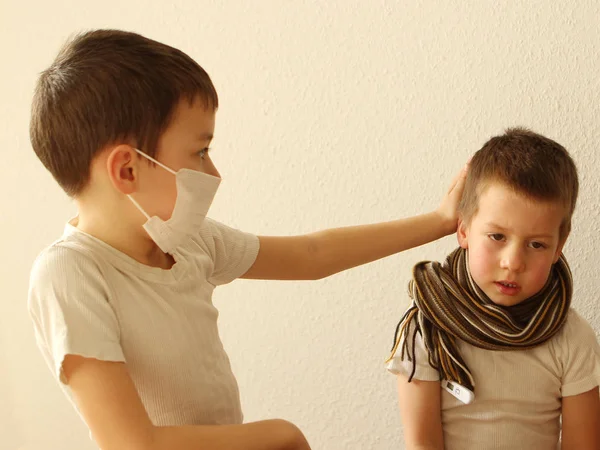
x,y
448,305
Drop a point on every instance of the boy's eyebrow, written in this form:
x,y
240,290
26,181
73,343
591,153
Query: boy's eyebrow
x,y
495,225
205,137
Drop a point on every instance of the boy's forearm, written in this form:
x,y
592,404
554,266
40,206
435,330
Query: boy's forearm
x,y
342,248
425,447
264,435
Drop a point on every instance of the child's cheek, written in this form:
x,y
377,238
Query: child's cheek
x,y
539,275
162,198
481,262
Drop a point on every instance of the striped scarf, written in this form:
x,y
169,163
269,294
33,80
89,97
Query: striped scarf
x,y
448,305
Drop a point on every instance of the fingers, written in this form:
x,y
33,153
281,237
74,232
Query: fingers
x,y
458,182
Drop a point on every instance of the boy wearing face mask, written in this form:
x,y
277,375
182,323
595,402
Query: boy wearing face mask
x,y
490,355
122,303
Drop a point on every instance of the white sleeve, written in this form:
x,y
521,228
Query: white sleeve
x,y
69,303
579,356
419,362
233,252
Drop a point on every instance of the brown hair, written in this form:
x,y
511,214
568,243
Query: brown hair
x,y
527,162
105,86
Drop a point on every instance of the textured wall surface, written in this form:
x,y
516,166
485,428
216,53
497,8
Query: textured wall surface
x,y
332,113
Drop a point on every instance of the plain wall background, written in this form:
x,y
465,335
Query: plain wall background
x,y
332,113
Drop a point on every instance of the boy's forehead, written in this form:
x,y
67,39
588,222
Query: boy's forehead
x,y
501,205
194,118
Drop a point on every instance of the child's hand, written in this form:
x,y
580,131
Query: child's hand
x,y
448,209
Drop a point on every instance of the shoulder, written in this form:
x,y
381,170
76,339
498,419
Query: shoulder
x,y
62,258
576,343
217,229
410,355
215,236
578,352
61,269
576,330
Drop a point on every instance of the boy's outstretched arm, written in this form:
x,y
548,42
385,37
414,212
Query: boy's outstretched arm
x,y
112,409
581,421
318,255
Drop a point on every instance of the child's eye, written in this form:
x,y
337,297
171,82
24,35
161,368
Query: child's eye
x,y
537,245
496,237
202,153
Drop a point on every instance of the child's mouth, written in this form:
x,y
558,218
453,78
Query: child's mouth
x,y
508,288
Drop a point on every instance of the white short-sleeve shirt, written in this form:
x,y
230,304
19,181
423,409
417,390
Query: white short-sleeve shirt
x,y
517,393
87,298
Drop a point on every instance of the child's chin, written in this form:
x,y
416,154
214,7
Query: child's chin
x,y
508,301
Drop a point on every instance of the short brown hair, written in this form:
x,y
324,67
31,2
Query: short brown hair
x,y
529,163
105,86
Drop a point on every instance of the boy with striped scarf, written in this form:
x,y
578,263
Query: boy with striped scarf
x,y
490,355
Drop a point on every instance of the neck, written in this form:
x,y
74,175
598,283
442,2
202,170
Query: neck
x,y
113,228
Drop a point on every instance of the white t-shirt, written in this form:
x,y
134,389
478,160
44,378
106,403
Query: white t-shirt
x,y
87,298
517,393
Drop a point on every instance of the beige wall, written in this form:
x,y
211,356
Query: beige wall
x,y
333,113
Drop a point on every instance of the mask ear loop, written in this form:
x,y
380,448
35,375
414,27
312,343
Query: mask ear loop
x,y
139,207
155,161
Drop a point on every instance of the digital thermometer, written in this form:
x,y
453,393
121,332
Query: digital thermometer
x,y
459,391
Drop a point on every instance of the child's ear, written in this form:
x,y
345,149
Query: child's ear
x,y
462,234
122,168
559,249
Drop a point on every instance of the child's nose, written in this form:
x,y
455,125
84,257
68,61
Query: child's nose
x,y
210,168
513,259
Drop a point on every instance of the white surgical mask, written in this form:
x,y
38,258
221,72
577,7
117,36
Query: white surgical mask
x,y
195,193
